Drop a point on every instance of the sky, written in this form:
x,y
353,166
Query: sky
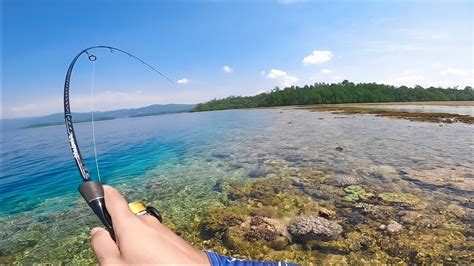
x,y
219,48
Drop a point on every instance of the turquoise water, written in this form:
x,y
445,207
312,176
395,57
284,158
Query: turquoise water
x,y
179,162
37,163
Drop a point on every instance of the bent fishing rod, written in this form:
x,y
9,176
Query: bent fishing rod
x,y
93,191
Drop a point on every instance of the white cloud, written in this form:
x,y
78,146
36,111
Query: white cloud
x,y
275,73
183,81
326,71
227,69
284,78
437,65
454,72
317,57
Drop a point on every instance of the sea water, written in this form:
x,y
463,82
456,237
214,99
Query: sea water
x,y
176,160
37,163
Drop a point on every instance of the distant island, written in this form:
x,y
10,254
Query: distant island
x,y
319,93
58,118
55,123
344,92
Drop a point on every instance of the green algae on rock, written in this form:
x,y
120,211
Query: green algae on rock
x,y
355,193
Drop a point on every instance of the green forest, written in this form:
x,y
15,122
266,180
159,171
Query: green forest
x,y
344,92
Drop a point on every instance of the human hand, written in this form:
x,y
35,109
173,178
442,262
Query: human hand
x,y
140,239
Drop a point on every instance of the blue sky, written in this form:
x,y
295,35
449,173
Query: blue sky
x,y
220,48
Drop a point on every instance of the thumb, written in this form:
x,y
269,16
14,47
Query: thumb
x,y
104,247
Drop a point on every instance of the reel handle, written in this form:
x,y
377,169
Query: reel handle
x,y
93,193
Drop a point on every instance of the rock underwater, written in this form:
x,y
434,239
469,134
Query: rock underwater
x,y
314,228
345,180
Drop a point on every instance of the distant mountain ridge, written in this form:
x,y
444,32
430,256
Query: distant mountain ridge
x,y
58,118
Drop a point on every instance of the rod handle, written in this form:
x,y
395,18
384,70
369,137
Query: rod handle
x,y
93,193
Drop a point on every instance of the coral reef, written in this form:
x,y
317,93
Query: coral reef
x,y
394,228
313,228
281,222
260,229
345,180
297,215
367,208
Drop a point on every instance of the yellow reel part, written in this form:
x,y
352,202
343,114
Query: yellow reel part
x,y
137,207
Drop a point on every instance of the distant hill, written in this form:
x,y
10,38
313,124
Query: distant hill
x,y
58,118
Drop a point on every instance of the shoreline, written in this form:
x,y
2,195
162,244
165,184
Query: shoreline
x,y
366,108
431,103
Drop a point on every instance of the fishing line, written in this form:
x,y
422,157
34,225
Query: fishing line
x,y
93,191
92,121
67,108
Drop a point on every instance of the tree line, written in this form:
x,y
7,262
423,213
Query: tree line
x,y
344,92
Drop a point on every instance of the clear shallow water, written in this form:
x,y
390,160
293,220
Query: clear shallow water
x,y
37,163
174,161
460,110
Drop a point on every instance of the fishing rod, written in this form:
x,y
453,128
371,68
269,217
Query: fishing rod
x,y
93,191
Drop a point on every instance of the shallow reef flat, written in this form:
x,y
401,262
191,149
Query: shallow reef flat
x,y
412,115
339,217
283,219
434,103
318,190
293,214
